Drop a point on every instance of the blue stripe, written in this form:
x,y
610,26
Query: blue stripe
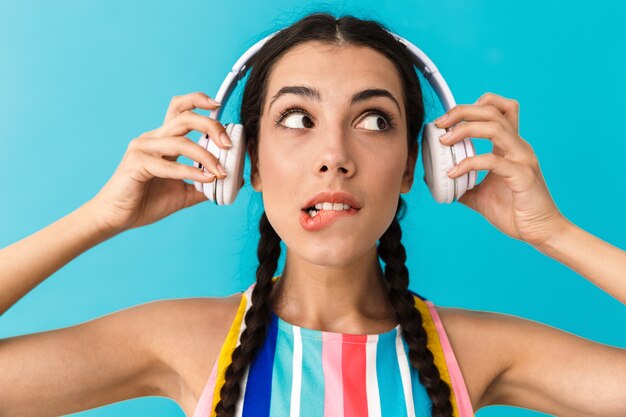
x,y
312,390
392,403
283,372
258,390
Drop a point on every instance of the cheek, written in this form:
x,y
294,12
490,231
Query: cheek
x,y
387,168
279,171
281,189
385,196
385,184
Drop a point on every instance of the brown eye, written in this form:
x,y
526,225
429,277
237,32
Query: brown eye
x,y
291,120
375,122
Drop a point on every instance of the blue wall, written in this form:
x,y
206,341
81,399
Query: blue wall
x,y
79,80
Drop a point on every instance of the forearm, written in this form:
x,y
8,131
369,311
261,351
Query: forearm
x,y
598,261
28,262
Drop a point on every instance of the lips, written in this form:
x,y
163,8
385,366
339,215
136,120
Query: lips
x,y
323,218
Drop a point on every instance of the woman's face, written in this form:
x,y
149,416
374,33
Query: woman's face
x,y
334,141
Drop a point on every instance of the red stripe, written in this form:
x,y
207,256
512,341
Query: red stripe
x,y
353,367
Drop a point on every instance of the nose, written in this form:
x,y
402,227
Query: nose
x,y
335,156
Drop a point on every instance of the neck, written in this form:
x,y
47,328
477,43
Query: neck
x,y
350,298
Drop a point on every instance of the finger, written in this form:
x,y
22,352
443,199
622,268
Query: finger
x,y
190,101
474,112
189,120
494,131
172,147
508,107
162,168
488,161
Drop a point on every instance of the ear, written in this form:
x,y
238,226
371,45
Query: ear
x,y
408,176
254,168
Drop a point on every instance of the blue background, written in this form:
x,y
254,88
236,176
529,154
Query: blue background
x,y
79,80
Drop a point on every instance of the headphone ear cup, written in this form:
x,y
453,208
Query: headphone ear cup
x,y
438,158
224,191
204,142
233,161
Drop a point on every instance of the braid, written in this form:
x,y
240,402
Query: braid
x,y
257,319
392,252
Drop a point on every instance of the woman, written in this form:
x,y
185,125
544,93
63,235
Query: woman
x,y
306,136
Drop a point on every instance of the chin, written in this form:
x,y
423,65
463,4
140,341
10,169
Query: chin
x,y
337,253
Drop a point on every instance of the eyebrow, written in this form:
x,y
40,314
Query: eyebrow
x,y
314,94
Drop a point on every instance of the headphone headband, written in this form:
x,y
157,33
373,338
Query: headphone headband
x,y
420,60
437,157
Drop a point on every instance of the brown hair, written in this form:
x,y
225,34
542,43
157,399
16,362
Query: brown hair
x,y
347,30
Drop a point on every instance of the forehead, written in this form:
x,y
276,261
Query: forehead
x,y
336,71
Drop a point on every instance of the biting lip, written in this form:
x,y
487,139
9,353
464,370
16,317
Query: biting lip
x,y
323,218
333,197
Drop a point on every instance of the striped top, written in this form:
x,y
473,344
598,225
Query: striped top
x,y
300,372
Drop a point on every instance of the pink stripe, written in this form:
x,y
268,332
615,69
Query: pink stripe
x,y
353,369
458,384
203,408
333,383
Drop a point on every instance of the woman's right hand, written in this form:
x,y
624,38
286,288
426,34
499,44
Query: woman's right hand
x,y
148,183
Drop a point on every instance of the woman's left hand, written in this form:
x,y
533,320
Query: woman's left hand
x,y
513,196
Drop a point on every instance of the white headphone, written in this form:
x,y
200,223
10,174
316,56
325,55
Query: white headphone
x,y
436,157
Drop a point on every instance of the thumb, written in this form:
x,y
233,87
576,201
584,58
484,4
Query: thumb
x,y
193,196
469,198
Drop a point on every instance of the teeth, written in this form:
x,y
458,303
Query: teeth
x,y
328,207
332,206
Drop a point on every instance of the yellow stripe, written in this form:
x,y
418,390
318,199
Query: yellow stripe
x,y
434,344
225,358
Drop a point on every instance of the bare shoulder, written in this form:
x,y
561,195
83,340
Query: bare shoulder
x,y
187,336
510,360
474,336
159,348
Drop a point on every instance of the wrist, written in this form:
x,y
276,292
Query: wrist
x,y
563,230
94,222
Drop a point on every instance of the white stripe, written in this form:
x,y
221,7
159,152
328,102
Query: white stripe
x,y
405,374
244,383
248,295
296,383
244,380
371,377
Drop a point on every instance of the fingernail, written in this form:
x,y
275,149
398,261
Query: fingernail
x,y
208,174
445,136
221,169
213,102
441,119
224,139
452,170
